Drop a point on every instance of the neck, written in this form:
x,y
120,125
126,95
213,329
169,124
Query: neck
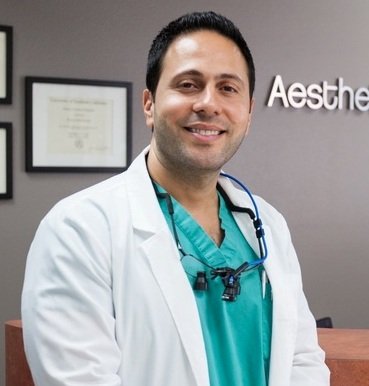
x,y
196,192
192,189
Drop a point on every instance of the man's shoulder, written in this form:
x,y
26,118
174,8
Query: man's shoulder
x,y
97,197
266,208
103,196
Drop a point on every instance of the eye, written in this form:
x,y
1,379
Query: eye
x,y
187,85
229,89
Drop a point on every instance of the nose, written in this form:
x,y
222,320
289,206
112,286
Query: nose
x,y
207,102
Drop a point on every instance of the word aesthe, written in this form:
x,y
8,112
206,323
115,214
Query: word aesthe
x,y
316,96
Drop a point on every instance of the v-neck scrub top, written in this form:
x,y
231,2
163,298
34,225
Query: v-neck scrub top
x,y
237,334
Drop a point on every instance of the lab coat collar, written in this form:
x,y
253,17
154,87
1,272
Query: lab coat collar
x,y
146,213
241,199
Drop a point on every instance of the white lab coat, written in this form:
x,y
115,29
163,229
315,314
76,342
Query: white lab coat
x,y
106,301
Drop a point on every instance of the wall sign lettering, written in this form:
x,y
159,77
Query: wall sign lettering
x,y
316,96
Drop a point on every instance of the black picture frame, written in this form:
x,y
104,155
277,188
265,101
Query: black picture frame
x,y
6,64
78,125
6,161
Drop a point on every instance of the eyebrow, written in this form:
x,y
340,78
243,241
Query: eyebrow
x,y
220,76
232,77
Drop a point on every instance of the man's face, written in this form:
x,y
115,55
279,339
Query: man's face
x,y
202,109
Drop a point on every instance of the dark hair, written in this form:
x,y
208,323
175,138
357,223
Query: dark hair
x,y
189,23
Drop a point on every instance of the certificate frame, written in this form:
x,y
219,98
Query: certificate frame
x,y
6,157
6,64
77,125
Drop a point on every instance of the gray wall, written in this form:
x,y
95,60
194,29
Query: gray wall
x,y
312,165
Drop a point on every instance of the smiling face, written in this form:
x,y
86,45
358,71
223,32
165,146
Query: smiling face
x,y
202,109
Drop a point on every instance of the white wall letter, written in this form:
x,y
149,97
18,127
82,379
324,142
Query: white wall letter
x,y
345,89
362,95
314,92
326,89
278,91
298,91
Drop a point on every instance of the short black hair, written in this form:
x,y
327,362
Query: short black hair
x,y
188,23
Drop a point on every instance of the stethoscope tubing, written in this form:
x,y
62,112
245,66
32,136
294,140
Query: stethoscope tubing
x,y
264,254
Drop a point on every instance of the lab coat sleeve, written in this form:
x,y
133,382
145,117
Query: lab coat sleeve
x,y
308,366
67,306
308,363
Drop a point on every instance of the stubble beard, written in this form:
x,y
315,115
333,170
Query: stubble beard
x,y
181,160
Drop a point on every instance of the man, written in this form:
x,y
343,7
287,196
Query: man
x,y
142,279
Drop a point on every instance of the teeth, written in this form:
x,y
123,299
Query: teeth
x,y
205,132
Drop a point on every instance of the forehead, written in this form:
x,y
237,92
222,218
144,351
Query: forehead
x,y
203,46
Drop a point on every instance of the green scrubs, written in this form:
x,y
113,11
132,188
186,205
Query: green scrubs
x,y
237,334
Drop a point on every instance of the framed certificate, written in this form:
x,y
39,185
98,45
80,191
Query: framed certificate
x,y
6,168
75,125
6,64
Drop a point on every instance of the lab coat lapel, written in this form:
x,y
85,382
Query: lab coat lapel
x,y
284,321
166,267
158,246
243,220
284,326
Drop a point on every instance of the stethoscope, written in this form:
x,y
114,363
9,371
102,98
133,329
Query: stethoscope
x,y
229,276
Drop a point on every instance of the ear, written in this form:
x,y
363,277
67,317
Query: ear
x,y
148,108
252,103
